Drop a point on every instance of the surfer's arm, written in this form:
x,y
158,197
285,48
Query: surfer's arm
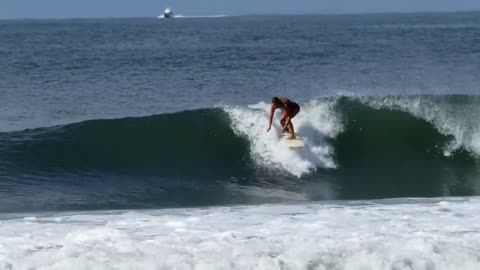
x,y
270,119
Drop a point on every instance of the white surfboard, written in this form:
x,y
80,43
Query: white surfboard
x,y
295,143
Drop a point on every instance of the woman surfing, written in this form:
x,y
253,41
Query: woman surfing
x,y
290,109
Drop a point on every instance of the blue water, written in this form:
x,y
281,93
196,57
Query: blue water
x,y
104,113
63,71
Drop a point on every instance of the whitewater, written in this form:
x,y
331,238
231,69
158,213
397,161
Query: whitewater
x,y
321,121
395,234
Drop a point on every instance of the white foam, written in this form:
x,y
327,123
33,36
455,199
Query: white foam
x,y
316,122
460,120
193,16
409,234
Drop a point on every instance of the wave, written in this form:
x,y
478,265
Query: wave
x,y
342,132
339,132
356,147
193,16
179,143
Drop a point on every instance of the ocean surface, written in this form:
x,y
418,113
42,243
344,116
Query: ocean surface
x,y
142,143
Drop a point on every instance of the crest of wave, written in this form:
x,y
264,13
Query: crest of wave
x,y
449,117
315,124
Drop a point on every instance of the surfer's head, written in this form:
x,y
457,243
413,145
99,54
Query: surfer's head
x,y
277,102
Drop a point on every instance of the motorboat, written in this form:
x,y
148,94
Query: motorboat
x,y
168,13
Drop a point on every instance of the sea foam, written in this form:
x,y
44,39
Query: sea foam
x,y
403,234
316,122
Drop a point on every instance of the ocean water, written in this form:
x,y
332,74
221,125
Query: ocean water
x,y
142,143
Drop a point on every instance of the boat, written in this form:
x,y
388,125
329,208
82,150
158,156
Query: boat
x,y
168,13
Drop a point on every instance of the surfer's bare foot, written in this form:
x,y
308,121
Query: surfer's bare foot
x,y
292,137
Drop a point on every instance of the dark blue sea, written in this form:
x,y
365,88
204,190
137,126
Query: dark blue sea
x,y
141,143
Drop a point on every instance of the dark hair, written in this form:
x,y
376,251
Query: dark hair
x,y
276,100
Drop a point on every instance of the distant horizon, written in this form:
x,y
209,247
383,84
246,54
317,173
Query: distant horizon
x,y
186,16
71,9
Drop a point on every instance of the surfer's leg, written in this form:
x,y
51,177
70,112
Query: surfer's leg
x,y
291,130
282,120
290,125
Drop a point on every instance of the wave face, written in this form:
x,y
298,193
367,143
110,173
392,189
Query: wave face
x,y
356,148
191,142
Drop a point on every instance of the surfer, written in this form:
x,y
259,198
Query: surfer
x,y
290,109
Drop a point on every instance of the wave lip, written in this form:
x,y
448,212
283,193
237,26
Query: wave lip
x,y
454,115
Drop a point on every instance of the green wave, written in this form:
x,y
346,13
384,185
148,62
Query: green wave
x,y
195,157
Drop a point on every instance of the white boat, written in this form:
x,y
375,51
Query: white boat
x,y
168,13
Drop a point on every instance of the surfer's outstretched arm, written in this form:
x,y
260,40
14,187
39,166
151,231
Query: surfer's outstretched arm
x,y
272,111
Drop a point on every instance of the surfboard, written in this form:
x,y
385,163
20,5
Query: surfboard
x,y
295,143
